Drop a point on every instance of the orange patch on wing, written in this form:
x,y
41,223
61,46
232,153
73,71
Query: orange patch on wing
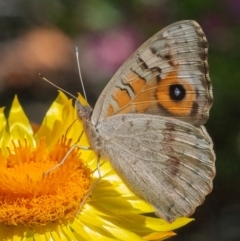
x,y
137,83
181,107
110,110
146,98
144,95
127,109
122,97
141,100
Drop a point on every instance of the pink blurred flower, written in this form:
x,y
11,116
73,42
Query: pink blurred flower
x,y
114,48
102,54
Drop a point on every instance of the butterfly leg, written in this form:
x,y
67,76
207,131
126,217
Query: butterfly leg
x,y
65,157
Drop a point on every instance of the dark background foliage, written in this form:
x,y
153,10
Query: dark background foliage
x,y
39,36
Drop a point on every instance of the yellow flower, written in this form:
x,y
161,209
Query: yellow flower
x,y
39,207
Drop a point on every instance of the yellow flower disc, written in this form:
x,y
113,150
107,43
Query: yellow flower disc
x,y
29,197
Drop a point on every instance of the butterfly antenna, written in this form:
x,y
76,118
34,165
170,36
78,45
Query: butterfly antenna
x,y
48,81
79,72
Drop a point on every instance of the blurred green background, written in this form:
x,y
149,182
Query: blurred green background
x,y
39,36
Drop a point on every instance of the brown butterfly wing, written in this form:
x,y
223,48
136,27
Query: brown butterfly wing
x,y
166,162
167,76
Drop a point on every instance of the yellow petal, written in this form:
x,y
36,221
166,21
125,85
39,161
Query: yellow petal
x,y
162,225
19,127
3,120
52,124
159,236
61,120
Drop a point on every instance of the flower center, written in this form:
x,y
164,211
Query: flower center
x,y
28,197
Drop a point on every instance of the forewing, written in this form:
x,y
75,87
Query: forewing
x,y
167,75
168,163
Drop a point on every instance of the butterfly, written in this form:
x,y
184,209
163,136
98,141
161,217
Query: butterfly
x,y
148,121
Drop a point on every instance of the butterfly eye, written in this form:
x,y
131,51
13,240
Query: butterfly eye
x,y
177,92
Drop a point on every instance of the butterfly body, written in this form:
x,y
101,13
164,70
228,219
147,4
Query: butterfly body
x,y
148,121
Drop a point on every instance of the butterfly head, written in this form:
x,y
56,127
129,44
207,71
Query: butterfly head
x,y
84,112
